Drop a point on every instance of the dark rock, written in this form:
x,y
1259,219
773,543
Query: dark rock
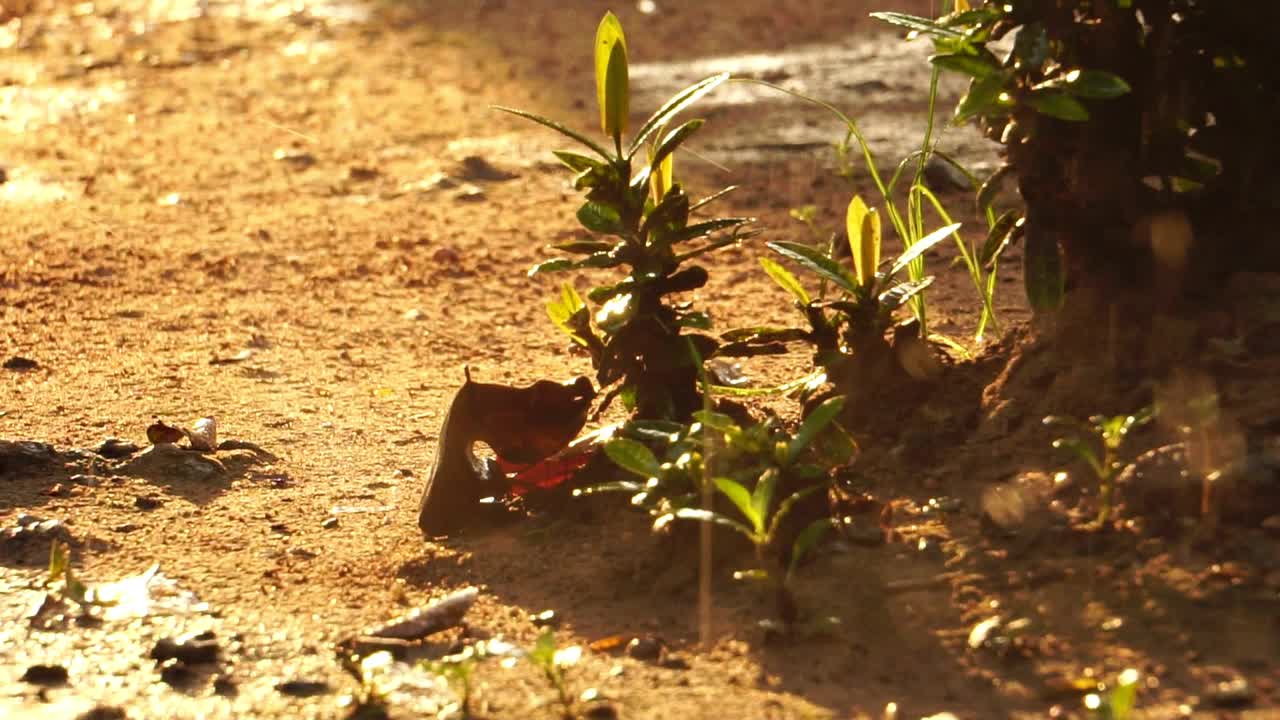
x,y
478,169
302,688
601,711
167,462
192,650
19,455
18,363
115,448
45,675
329,523
148,502
178,674
225,686
648,649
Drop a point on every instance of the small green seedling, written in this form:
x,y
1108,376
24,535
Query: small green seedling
x,y
856,323
553,662
1118,704
640,219
745,465
1100,433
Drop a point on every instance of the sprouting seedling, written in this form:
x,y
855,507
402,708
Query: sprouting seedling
x,y
641,221
747,465
1120,702
553,662
1105,434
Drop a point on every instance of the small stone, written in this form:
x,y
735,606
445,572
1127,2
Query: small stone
x,y
17,363
601,711
148,502
329,523
125,527
648,649
358,173
193,650
546,618
446,255
302,688
177,674
115,448
469,193
296,159
225,686
474,167
413,315
45,675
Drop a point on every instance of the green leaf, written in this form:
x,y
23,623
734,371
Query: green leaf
x,y
785,280
546,122
898,295
612,92
741,499
1092,84
987,193
597,260
566,306
1125,696
975,66
672,107
713,517
998,238
1042,270
1057,104
575,162
554,265
983,96
1080,449
920,247
818,419
583,247
862,225
785,508
633,457
672,141
712,197
762,496
702,229
616,313
59,560
716,421
806,541
598,217
815,261
917,24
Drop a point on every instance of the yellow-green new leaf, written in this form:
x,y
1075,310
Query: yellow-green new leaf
x,y
862,224
612,91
